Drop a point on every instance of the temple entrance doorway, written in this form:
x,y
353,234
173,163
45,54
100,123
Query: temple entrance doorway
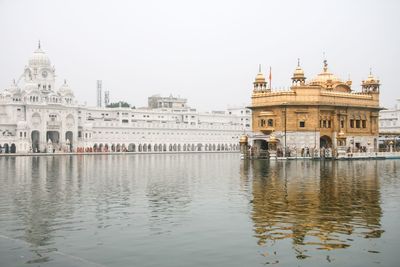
x,y
54,137
260,144
68,139
35,136
325,142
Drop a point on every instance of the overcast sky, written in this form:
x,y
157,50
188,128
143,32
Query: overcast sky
x,y
205,51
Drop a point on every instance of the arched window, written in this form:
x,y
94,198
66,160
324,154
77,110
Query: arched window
x,y
270,123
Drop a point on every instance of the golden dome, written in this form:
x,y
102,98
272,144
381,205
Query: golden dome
x,y
371,79
325,77
243,139
298,75
272,138
260,77
298,72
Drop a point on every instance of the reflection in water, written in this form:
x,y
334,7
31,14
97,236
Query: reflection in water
x,y
196,210
40,200
168,193
315,204
53,197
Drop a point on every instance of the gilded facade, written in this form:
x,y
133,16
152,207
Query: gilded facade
x,y
321,113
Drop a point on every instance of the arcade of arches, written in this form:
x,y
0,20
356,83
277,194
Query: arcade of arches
x,y
132,147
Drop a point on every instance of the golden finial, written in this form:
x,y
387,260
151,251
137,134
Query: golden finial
x,y
259,67
325,65
298,62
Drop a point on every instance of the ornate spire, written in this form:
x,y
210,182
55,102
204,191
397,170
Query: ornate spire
x,y
259,83
39,44
325,65
298,75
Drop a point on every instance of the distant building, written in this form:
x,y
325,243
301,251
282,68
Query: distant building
x,y
99,94
389,128
106,98
157,101
321,113
244,114
389,120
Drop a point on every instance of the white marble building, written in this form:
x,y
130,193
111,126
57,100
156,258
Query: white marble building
x,y
389,119
244,114
389,128
37,117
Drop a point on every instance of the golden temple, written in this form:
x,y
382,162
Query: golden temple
x,y
321,113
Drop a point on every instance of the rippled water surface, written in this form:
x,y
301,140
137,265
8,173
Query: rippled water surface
x,y
197,210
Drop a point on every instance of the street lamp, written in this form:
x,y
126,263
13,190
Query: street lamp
x,y
285,105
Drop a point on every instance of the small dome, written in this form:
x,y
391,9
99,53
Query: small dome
x,y
272,138
14,88
298,72
65,89
6,93
371,78
260,77
39,58
243,139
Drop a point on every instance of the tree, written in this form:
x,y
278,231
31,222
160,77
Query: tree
x,y
118,104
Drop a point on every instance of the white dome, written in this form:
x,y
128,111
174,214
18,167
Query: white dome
x,y
39,58
14,88
65,89
6,93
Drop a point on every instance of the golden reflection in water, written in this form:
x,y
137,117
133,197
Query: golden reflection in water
x,y
323,205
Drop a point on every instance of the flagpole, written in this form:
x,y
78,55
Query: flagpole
x,y
270,78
